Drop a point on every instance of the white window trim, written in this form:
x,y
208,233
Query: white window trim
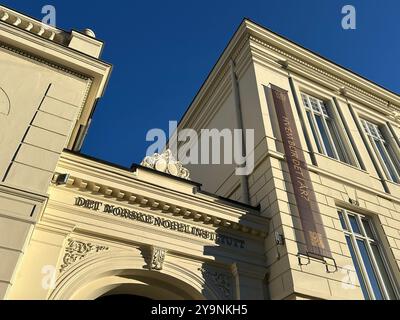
x,y
349,232
320,144
372,140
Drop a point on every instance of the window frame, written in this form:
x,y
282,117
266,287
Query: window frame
x,y
326,116
386,146
368,241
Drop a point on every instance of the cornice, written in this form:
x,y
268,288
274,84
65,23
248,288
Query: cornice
x,y
294,53
80,165
38,46
59,68
215,95
217,75
42,61
291,57
299,66
33,26
246,225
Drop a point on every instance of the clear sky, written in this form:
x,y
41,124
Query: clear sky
x,y
162,52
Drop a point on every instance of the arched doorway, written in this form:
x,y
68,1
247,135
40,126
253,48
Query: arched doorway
x,y
110,297
124,274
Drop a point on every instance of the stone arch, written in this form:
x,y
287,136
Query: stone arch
x,y
96,275
5,104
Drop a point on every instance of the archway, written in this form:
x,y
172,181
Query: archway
x,y
122,298
124,273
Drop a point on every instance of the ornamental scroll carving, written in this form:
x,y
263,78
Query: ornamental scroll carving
x,y
395,116
5,104
166,163
219,280
77,250
157,258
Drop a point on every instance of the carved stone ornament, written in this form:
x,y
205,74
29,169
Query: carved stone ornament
x,y
396,116
157,258
77,250
166,163
219,280
4,103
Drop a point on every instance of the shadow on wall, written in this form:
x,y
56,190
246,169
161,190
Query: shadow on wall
x,y
237,267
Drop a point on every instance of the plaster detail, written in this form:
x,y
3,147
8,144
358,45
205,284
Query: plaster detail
x,y
166,163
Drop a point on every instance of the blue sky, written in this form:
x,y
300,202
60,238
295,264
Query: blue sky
x,y
162,52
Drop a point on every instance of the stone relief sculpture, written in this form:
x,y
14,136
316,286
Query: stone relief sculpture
x,y
77,250
157,258
5,104
166,163
219,280
396,116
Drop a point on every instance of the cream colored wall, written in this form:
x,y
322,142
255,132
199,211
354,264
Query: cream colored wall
x,y
44,105
129,242
225,182
224,119
47,92
335,183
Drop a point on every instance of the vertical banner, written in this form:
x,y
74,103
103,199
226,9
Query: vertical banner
x,y
310,216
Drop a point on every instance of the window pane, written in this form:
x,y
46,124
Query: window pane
x,y
314,104
336,141
310,120
323,108
357,267
388,164
354,224
393,157
364,124
368,229
370,271
305,101
342,222
383,272
373,130
324,136
379,132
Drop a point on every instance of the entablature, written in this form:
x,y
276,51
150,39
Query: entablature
x,y
180,198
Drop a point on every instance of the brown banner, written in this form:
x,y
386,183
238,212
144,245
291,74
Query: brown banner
x,y
310,216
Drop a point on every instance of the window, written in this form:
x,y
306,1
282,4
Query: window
x,y
369,262
383,150
324,129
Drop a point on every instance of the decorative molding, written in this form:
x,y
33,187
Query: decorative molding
x,y
33,26
77,250
85,97
5,104
42,61
395,114
166,163
341,83
219,280
157,258
354,202
212,85
169,207
89,80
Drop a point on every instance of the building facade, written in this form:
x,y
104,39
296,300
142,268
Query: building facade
x,y
317,218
